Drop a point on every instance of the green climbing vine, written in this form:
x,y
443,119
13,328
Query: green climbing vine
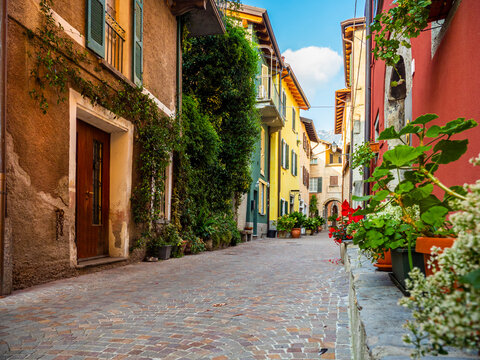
x,y
406,20
57,65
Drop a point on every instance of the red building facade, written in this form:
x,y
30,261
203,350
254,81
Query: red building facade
x,y
442,72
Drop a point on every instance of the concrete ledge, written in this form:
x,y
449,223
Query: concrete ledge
x,y
376,319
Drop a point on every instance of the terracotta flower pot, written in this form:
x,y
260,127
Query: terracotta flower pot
x,y
384,264
375,147
296,233
424,246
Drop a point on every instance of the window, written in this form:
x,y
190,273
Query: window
x,y
292,203
335,159
283,207
333,180
376,126
316,185
314,161
106,37
262,152
293,118
284,104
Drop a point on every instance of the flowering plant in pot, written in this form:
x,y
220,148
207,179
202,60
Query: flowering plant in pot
x,y
407,176
339,231
299,221
379,233
446,305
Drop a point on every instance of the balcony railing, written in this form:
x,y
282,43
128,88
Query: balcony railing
x,y
115,39
267,91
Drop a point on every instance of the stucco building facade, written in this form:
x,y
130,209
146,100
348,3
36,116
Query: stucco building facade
x,y
63,215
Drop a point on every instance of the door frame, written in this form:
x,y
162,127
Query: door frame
x,y
121,166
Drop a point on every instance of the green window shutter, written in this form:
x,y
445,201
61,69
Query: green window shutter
x,y
293,118
138,42
293,163
281,154
288,157
319,185
96,26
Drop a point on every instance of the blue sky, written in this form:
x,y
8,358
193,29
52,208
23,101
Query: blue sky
x,y
308,34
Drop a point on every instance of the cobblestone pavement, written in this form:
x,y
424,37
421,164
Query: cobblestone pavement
x,y
267,299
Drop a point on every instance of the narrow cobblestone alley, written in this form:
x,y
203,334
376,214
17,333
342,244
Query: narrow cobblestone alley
x,y
267,299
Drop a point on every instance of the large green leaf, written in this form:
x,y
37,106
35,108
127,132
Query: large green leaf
x,y
381,195
410,129
374,237
403,155
404,186
423,119
472,278
430,201
434,131
451,150
435,216
457,126
379,172
361,198
388,134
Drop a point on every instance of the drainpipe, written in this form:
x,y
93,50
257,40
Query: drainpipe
x,y
368,88
5,285
179,64
279,170
269,175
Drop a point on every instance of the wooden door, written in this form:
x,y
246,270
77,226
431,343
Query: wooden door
x,y
92,192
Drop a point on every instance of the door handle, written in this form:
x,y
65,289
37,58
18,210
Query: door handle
x,y
88,192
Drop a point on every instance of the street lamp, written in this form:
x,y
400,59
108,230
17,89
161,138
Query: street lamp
x,y
334,147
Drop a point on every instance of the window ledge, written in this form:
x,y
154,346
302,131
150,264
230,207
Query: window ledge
x,y
116,73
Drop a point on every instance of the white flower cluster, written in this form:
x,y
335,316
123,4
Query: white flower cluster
x,y
446,308
394,212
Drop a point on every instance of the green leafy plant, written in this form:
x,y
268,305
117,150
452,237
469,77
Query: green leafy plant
x,y
362,156
413,168
310,224
389,28
299,219
285,223
382,231
446,305
320,221
313,207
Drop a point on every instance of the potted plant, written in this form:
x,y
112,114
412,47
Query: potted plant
x,y
284,225
310,225
383,237
320,221
168,237
339,232
407,177
299,221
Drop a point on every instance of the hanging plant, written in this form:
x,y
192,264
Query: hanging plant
x,y
390,28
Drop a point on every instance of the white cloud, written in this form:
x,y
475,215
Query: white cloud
x,y
314,66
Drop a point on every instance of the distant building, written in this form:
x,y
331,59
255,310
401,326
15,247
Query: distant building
x,y
308,136
350,103
326,178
